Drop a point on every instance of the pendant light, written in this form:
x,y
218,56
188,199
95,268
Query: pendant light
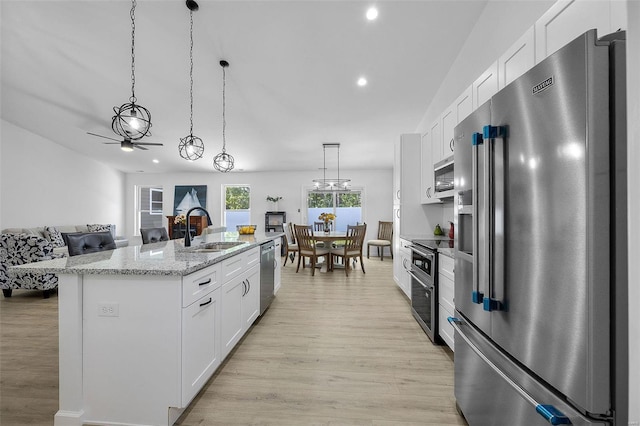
x,y
191,147
330,184
223,162
132,121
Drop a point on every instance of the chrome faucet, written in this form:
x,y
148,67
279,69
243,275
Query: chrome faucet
x,y
187,236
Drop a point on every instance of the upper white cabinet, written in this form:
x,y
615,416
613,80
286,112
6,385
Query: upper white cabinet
x,y
485,86
397,164
518,59
464,105
435,140
426,163
449,121
567,19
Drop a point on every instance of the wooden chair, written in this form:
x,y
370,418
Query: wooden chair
x,y
308,248
352,248
385,237
290,244
318,226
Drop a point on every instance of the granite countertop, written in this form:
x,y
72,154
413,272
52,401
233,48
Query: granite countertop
x,y
163,258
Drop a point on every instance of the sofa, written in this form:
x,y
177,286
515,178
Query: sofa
x,y
55,234
27,245
19,249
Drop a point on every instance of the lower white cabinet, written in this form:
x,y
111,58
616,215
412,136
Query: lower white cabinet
x,y
277,279
446,292
240,301
402,266
200,343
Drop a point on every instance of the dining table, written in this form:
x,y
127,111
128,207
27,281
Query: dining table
x,y
329,238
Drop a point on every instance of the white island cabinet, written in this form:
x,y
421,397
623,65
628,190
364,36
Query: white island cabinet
x,y
143,328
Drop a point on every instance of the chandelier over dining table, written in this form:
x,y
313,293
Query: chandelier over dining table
x,y
331,184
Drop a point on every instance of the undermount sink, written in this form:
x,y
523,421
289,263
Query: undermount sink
x,y
214,247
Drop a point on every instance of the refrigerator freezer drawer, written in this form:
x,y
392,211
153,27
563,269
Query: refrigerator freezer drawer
x,y
486,387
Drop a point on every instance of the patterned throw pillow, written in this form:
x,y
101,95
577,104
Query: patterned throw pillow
x,y
99,228
53,235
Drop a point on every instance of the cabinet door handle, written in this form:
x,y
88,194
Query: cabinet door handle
x,y
451,144
207,302
205,282
398,194
248,286
244,287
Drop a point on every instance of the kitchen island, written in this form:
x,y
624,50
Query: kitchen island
x,y
142,328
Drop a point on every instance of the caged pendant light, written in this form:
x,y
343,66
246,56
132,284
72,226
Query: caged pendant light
x,y
132,121
223,162
191,147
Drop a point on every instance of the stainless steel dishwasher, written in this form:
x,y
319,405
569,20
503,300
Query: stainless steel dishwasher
x,y
267,274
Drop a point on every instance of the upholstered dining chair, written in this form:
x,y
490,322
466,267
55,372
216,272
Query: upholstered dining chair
x,y
290,244
308,248
385,237
153,235
89,242
352,248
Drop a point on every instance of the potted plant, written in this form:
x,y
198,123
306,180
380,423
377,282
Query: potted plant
x,y
274,200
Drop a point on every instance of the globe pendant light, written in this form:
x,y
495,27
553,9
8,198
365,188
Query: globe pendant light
x,y
191,147
223,162
132,121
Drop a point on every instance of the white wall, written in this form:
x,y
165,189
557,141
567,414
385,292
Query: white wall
x,y
43,183
377,184
633,102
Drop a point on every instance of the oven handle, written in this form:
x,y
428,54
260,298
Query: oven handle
x,y
421,251
420,280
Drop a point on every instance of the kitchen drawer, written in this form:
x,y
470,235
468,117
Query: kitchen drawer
x,y
445,266
200,283
446,292
234,266
445,330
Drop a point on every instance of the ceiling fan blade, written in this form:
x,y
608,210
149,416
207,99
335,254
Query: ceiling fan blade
x,y
100,136
112,143
137,145
148,143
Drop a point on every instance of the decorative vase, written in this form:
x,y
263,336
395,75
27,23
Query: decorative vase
x,y
327,228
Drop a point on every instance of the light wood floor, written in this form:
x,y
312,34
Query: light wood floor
x,y
330,350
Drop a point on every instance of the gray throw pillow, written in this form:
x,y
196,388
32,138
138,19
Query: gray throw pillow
x,y
99,228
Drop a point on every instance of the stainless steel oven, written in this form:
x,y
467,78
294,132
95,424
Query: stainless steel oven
x,y
424,298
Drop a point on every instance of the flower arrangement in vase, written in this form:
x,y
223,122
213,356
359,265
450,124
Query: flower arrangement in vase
x,y
327,218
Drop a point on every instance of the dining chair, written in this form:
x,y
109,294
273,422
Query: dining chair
x,y
290,244
318,226
153,235
352,248
308,248
385,236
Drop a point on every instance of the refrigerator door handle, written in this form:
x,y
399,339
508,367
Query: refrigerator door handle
x,y
476,295
549,412
490,133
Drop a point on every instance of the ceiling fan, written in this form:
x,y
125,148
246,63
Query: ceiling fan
x,y
126,144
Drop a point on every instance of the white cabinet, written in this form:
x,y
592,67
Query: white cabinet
x,y
427,188
435,137
251,298
403,279
567,19
411,216
485,86
240,296
201,353
518,59
448,122
277,279
464,105
446,292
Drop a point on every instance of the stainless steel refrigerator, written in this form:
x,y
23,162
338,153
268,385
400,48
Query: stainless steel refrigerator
x,y
540,266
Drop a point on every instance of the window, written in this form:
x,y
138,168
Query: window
x,y
347,206
148,212
237,206
155,201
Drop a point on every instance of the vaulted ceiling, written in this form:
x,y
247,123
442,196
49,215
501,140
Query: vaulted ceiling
x,y
291,83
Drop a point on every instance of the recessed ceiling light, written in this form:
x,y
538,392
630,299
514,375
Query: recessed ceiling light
x,y
362,81
372,13
155,160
